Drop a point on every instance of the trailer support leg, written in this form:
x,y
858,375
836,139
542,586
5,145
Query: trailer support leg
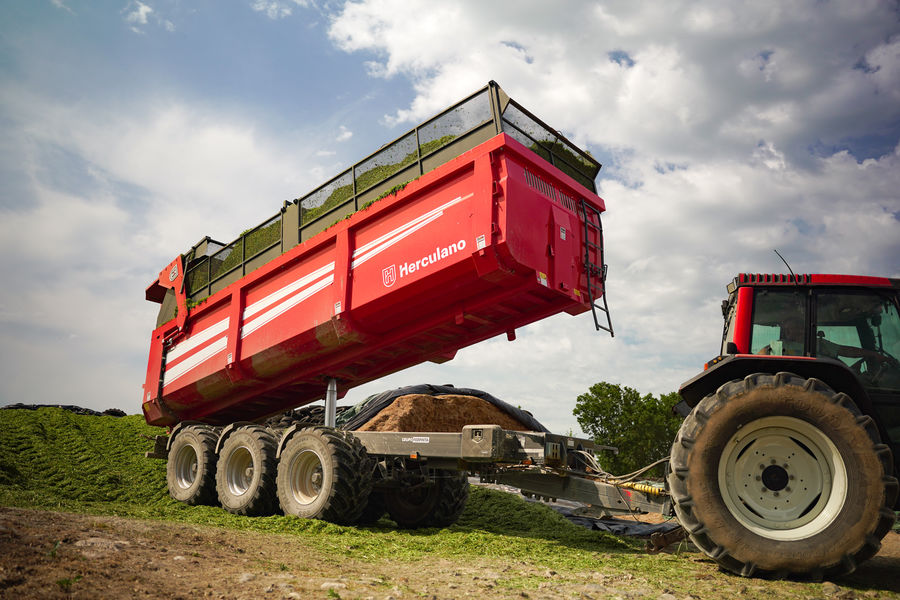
x,y
331,403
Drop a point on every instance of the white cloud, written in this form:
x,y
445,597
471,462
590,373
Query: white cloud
x,y
112,196
344,134
704,80
61,4
277,9
138,14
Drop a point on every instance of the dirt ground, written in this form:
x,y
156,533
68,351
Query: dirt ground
x,y
63,555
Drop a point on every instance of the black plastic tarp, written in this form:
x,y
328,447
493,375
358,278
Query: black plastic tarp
x,y
355,417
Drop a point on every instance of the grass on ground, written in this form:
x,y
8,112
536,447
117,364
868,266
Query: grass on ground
x,y
55,460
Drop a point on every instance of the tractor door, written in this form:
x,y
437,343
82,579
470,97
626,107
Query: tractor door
x,y
862,329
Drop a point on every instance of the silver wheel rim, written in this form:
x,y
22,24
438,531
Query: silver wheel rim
x,y
306,477
782,478
239,472
186,465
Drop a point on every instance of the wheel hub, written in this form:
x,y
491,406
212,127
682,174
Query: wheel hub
x,y
775,477
239,471
782,478
186,466
306,477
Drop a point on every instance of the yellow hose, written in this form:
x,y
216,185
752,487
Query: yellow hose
x,y
643,487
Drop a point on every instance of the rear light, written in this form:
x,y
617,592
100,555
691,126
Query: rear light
x,y
717,359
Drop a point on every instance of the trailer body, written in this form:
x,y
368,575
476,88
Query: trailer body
x,y
487,242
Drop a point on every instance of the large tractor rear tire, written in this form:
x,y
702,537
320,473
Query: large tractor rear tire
x,y
438,503
778,475
245,474
191,466
324,474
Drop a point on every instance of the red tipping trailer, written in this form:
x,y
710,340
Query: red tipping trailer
x,y
483,243
479,221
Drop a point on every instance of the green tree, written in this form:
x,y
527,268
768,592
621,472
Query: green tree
x,y
641,427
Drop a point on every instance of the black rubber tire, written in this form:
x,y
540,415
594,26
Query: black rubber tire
x,y
324,474
191,466
437,503
839,457
245,472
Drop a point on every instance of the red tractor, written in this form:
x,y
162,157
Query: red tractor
x,y
783,465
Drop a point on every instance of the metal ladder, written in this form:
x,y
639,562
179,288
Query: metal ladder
x,y
596,274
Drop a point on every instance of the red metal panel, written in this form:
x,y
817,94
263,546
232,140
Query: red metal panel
x,y
743,320
486,243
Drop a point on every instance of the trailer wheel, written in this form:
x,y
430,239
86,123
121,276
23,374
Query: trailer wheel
x,y
779,475
191,466
433,504
245,475
374,509
324,474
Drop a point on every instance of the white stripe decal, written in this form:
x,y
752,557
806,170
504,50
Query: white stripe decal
x,y
377,241
195,360
379,245
287,290
270,314
379,249
198,339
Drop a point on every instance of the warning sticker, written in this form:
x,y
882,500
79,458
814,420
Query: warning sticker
x,y
542,279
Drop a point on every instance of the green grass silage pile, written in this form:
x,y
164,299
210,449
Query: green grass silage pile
x,y
52,458
56,460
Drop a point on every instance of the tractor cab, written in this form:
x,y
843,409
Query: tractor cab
x,y
841,329
859,327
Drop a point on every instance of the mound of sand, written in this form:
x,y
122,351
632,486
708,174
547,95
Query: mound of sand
x,y
445,413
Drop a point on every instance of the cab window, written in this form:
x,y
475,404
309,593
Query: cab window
x,y
779,323
863,331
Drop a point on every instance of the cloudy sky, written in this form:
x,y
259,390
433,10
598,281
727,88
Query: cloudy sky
x,y
130,129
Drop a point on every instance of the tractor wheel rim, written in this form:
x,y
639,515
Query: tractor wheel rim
x,y
186,465
306,477
782,478
239,472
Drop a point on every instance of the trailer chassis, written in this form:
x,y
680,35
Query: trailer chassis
x,y
542,465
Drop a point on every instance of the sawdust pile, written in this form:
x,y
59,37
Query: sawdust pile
x,y
446,413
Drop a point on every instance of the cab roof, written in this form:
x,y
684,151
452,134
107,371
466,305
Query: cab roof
x,y
818,279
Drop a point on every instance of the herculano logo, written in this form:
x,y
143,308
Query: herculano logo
x,y
389,275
